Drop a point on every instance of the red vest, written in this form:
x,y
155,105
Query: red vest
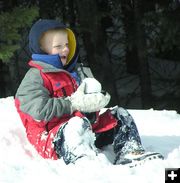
x,y
40,134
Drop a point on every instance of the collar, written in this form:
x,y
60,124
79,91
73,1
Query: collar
x,y
53,60
46,68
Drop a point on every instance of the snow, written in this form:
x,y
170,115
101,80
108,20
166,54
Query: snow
x,y
19,162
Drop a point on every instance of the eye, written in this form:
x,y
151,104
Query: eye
x,y
59,46
67,45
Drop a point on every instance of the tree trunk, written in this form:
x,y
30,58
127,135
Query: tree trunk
x,y
14,74
144,75
71,14
131,57
2,81
94,39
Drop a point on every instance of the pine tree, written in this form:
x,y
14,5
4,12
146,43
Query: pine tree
x,y
11,23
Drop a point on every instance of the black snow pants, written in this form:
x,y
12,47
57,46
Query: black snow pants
x,y
124,137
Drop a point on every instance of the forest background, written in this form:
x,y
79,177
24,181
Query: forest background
x,y
131,46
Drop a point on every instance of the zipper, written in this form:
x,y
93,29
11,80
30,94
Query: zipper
x,y
64,92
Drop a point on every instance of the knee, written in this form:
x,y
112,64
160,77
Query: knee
x,y
77,125
122,115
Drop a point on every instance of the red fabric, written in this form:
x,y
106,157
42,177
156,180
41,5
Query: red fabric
x,y
105,122
41,134
78,113
38,135
32,64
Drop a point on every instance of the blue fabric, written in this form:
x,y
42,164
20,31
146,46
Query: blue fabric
x,y
53,60
76,77
71,65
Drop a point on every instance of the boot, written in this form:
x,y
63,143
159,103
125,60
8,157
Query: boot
x,y
135,159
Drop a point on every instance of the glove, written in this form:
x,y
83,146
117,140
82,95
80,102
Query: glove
x,y
88,102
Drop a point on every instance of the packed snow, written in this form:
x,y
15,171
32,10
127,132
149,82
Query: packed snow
x,y
20,163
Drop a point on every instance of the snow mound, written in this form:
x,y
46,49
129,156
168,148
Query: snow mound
x,y
19,163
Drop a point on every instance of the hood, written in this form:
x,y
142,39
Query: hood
x,y
44,25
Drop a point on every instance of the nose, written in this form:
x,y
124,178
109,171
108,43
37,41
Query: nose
x,y
65,47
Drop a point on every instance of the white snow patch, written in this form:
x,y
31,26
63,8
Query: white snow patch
x,y
20,163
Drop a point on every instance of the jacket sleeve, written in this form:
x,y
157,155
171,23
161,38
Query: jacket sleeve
x,y
35,99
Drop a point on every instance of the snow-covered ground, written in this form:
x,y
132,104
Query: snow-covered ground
x,y
19,163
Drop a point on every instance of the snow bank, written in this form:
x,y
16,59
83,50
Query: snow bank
x,y
19,163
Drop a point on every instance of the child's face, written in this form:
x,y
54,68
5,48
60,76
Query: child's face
x,y
56,43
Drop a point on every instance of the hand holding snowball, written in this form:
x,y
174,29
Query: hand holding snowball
x,y
88,97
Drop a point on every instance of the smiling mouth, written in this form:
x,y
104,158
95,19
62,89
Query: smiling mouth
x,y
63,57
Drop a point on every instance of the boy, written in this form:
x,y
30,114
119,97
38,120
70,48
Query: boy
x,y
59,113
